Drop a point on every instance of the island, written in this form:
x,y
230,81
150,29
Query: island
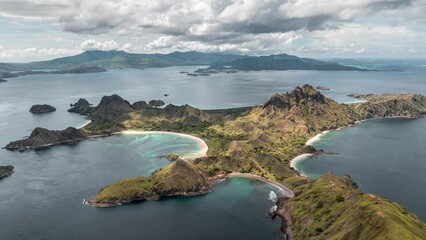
x,y
42,108
260,141
82,106
178,179
322,88
272,62
2,80
41,138
6,171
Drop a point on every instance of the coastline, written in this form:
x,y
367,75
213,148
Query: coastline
x,y
84,124
311,141
287,192
200,153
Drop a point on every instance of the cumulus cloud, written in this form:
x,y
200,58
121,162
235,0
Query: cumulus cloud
x,y
92,44
194,18
34,53
259,26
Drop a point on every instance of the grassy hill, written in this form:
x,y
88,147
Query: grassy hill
x,y
334,208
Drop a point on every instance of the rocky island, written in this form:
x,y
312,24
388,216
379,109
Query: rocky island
x,y
41,138
259,140
42,108
82,106
6,171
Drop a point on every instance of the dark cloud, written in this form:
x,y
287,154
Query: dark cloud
x,y
24,8
209,20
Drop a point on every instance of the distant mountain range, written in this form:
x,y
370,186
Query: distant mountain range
x,y
276,62
121,59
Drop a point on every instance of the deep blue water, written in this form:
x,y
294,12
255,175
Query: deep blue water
x,y
386,157
42,200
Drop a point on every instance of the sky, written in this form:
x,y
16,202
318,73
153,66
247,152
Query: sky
x,y
44,29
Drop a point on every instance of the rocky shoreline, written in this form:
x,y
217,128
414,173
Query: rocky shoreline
x,y
6,171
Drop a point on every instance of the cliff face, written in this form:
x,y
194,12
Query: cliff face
x,y
110,108
390,105
6,171
179,179
42,138
334,208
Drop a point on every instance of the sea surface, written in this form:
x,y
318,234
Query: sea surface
x,y
386,157
43,198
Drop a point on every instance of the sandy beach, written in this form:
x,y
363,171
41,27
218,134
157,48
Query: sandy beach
x,y
203,146
287,192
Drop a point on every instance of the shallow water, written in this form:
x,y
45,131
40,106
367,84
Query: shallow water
x,y
43,198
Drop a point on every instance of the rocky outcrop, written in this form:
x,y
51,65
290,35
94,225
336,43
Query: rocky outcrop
x,y
300,95
42,138
6,171
42,108
181,178
82,106
110,108
140,105
390,105
156,103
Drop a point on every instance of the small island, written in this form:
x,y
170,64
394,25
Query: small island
x,y
42,108
6,171
2,80
82,106
41,138
322,88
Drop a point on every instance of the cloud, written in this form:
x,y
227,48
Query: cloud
x,y
250,26
194,18
92,44
35,53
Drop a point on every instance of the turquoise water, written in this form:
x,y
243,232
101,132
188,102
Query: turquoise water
x,y
42,199
385,157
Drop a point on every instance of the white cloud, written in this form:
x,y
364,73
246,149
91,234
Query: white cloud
x,y
92,44
250,26
35,53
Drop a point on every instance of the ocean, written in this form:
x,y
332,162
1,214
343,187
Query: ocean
x,y
43,198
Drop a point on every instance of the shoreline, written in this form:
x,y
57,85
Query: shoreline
x,y
287,192
84,124
311,141
200,153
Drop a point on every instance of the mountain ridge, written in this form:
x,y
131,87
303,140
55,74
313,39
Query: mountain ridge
x,y
114,59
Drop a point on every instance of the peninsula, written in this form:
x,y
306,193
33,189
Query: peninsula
x,y
259,140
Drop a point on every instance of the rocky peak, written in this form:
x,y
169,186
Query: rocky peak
x,y
140,105
112,99
82,106
110,108
300,95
